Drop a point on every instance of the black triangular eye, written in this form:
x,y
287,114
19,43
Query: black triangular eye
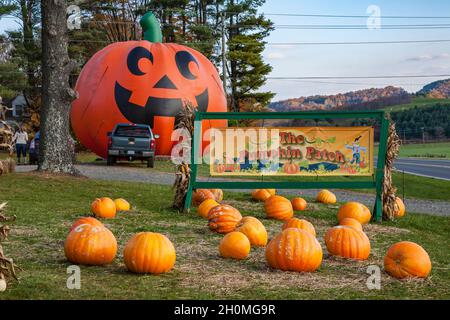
x,y
134,56
182,58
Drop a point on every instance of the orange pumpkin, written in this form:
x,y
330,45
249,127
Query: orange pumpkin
x,y
205,206
326,196
149,252
220,168
90,245
144,82
347,242
400,209
290,168
261,194
201,195
300,224
218,194
407,259
104,208
354,210
299,204
86,220
234,245
278,207
294,250
350,222
223,218
254,230
122,204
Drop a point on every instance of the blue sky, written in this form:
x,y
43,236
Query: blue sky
x,y
350,60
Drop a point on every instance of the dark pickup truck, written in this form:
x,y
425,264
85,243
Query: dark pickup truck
x,y
131,142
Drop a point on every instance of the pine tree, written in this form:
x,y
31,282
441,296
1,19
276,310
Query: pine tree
x,y
246,33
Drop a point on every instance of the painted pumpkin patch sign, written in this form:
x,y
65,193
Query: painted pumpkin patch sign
x,y
143,82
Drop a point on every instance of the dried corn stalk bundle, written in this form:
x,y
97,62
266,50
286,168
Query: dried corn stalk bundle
x,y
185,121
389,190
7,166
6,137
7,266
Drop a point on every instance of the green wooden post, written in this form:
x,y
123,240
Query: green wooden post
x,y
382,148
196,148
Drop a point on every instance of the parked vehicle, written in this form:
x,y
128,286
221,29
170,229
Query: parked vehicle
x,y
131,142
34,149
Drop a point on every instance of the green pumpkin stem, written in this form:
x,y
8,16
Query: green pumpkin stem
x,y
151,27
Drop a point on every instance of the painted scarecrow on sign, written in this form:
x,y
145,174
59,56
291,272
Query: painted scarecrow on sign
x,y
356,149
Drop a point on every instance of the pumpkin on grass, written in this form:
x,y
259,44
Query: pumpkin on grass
x,y
90,245
223,218
234,245
149,252
218,194
300,224
400,209
326,196
104,208
347,242
354,210
294,250
299,204
86,220
205,206
350,222
254,230
278,207
406,260
261,194
122,205
201,195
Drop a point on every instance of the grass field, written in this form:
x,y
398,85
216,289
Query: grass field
x,y
426,150
46,206
416,101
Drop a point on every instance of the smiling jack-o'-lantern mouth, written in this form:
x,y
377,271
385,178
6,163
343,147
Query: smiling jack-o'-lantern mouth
x,y
164,107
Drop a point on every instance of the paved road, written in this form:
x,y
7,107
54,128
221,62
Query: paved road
x,y
136,174
439,169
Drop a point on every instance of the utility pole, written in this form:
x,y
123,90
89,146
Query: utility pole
x,y
224,56
423,134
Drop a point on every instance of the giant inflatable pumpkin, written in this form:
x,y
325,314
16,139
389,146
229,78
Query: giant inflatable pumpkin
x,y
143,82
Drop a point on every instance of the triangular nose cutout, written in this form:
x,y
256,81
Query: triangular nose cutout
x,y
165,83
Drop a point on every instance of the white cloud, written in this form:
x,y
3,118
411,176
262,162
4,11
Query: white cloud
x,y
429,57
275,55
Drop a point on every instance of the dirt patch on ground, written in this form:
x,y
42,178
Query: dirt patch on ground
x,y
23,231
55,176
209,272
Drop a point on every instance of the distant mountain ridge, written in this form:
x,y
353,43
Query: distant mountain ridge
x,y
438,89
373,98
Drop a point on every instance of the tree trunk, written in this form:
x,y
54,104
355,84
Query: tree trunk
x,y
57,146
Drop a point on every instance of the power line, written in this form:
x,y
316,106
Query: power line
x,y
315,77
351,83
361,77
278,43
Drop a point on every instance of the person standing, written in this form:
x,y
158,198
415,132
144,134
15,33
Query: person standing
x,y
21,139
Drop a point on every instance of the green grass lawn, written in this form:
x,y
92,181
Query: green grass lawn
x,y
416,101
46,206
426,150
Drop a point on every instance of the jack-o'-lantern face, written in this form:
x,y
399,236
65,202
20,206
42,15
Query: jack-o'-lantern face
x,y
144,83
161,88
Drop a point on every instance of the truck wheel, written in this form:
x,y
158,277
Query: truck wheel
x,y
150,162
110,161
